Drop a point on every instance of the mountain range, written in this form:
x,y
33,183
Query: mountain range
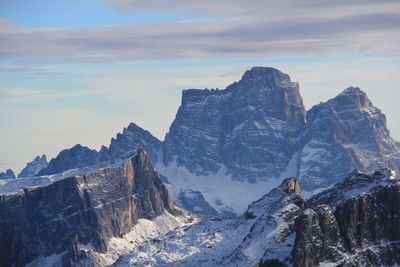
x,y
122,215
227,148
226,161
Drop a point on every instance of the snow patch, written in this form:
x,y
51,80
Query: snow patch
x,y
219,190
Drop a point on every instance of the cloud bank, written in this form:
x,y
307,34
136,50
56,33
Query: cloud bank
x,y
237,29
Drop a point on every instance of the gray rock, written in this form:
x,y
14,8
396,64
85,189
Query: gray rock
x,y
355,223
75,157
251,127
34,167
8,174
342,134
83,209
318,238
358,226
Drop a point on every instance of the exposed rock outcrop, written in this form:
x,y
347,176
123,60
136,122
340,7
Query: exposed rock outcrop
x,y
362,229
251,127
255,131
81,210
355,223
345,133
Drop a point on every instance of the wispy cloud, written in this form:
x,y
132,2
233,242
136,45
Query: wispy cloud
x,y
17,92
310,28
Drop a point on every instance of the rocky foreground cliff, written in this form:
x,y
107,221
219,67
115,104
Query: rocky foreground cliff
x,y
354,223
70,220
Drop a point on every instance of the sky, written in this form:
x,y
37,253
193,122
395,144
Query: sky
x,y
75,71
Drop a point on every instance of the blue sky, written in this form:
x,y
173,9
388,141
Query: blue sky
x,y
75,71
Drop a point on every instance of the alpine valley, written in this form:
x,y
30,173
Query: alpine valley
x,y
220,190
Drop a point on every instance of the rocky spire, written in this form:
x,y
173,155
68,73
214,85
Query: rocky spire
x,y
34,167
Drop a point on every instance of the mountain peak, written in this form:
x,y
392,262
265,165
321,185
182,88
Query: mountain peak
x,y
34,167
353,96
264,77
263,71
352,91
287,192
8,174
291,185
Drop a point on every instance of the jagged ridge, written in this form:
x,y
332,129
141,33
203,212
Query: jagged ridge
x,y
80,210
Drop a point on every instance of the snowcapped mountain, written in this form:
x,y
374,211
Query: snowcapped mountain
x,y
132,137
70,219
250,128
351,223
342,134
227,148
120,213
238,143
8,174
266,228
34,167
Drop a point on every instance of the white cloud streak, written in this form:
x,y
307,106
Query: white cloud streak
x,y
246,29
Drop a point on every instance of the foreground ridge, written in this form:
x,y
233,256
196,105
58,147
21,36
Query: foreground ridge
x,y
69,218
356,227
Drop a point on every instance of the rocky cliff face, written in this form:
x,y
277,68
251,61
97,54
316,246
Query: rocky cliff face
x,y
345,133
354,223
79,156
79,211
255,130
251,127
8,174
34,167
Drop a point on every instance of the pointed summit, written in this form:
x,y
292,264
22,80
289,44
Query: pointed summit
x,y
34,167
133,137
354,96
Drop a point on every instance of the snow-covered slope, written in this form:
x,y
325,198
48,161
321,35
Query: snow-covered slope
x,y
63,218
266,227
355,184
227,196
277,231
9,186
